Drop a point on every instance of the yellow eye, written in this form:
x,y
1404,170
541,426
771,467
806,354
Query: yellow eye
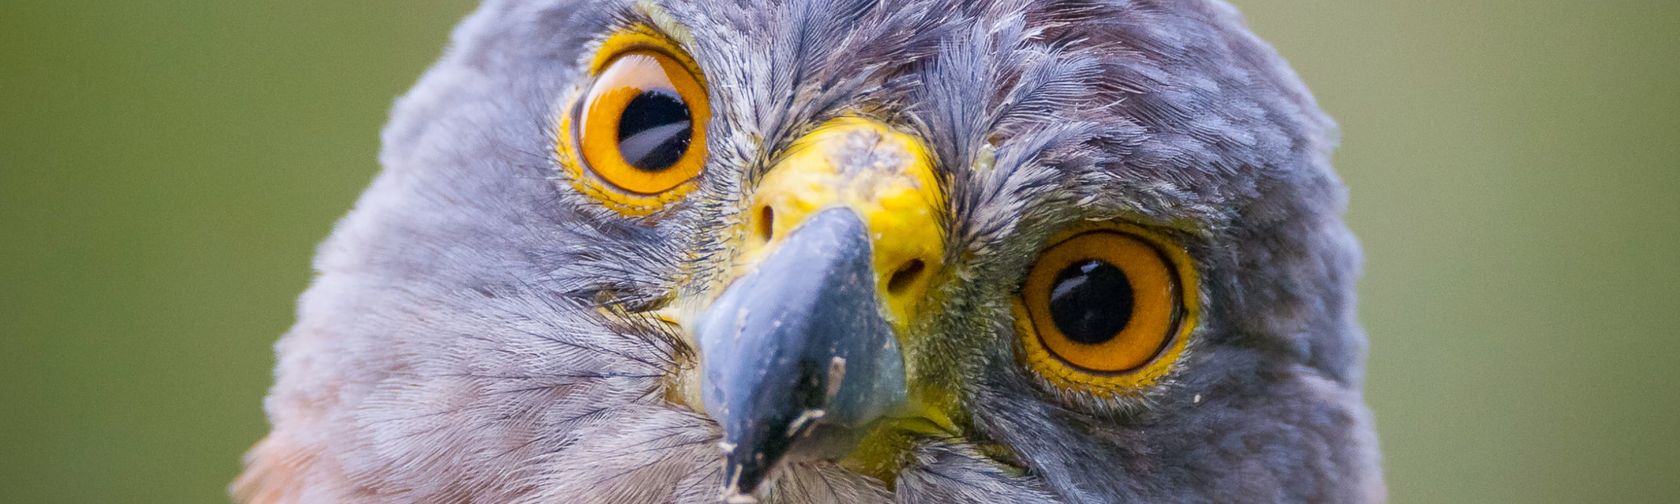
x,y
1107,310
636,139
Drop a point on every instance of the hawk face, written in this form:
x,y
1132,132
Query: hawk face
x,y
842,250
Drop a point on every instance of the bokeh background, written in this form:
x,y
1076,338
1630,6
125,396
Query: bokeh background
x,y
166,168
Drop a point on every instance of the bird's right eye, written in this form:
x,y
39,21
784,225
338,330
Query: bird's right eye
x,y
636,138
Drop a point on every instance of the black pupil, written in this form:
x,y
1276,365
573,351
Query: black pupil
x,y
654,131
1091,301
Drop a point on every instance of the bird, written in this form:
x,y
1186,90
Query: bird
x,y
918,251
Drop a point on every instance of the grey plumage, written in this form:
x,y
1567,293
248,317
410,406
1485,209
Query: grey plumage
x,y
475,332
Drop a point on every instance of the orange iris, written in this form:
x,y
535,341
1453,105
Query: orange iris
x,y
1106,309
641,127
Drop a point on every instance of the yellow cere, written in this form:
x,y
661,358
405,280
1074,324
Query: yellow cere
x,y
883,175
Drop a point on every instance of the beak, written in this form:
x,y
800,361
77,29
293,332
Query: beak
x,y
798,344
802,352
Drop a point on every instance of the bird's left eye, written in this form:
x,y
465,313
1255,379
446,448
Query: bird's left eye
x,y
1106,310
636,138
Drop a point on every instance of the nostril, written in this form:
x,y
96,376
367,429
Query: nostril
x,y
905,276
766,222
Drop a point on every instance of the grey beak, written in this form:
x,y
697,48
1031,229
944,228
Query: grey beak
x,y
797,356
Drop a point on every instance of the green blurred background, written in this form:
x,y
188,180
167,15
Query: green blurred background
x,y
166,168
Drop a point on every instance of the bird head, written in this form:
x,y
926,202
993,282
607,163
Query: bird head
x,y
836,250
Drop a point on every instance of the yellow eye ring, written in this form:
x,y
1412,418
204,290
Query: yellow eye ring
x,y
1107,309
635,140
